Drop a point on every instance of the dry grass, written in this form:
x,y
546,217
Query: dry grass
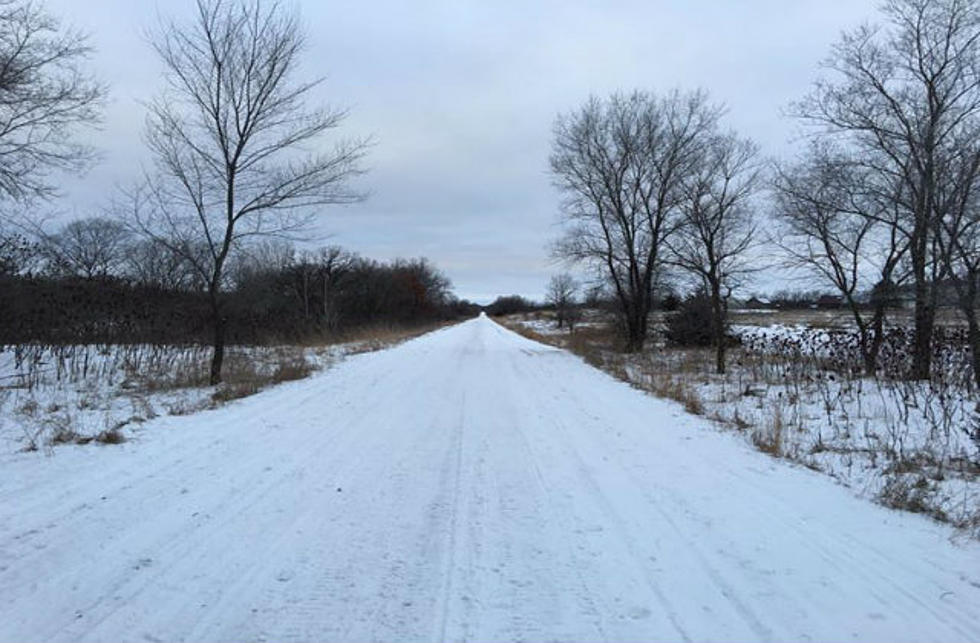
x,y
228,391
677,387
244,375
769,438
531,334
587,343
191,372
375,337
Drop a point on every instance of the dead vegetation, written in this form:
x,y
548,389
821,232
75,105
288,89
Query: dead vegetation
x,y
91,394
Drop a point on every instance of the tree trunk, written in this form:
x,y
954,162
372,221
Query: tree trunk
x,y
218,323
877,338
968,304
718,328
973,336
720,357
306,293
636,328
871,335
925,315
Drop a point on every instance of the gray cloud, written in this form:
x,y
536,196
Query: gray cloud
x,y
460,97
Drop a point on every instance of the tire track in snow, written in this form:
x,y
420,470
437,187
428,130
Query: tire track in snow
x,y
623,532
840,554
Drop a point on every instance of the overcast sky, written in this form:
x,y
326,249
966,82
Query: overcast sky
x,y
461,96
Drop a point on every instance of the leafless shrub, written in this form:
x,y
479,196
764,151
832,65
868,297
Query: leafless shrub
x,y
142,407
28,408
228,390
691,401
184,406
739,422
291,368
110,436
60,429
32,437
913,493
182,374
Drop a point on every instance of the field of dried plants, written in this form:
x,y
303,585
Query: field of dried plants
x,y
57,394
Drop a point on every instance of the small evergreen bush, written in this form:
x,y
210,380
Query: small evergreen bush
x,y
691,324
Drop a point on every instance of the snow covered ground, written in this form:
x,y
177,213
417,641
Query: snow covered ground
x,y
798,391
467,485
51,395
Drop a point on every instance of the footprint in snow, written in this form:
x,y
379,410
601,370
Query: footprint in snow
x,y
143,562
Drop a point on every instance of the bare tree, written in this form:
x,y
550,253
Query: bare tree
x,y
45,94
152,263
958,238
269,255
315,279
831,224
236,148
902,98
718,228
92,248
963,257
430,288
561,294
620,164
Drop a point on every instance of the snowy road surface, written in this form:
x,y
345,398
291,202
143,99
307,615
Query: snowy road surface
x,y
467,485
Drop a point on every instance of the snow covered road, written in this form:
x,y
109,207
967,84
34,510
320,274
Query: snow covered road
x,y
466,485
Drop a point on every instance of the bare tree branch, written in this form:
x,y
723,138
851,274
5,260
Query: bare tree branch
x,y
45,95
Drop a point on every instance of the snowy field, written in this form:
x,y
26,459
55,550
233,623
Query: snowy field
x,y
791,390
66,394
467,485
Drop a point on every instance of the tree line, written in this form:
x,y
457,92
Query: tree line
x,y
884,194
93,282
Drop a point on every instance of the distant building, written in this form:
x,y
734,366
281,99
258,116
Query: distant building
x,y
757,303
